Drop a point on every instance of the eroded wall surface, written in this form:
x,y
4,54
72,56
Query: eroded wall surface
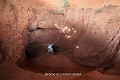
x,y
13,20
97,29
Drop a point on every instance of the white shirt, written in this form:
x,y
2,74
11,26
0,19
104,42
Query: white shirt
x,y
50,49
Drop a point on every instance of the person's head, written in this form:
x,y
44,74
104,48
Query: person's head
x,y
51,44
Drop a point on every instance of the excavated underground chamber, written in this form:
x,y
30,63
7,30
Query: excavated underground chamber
x,y
38,59
84,43
66,56
91,41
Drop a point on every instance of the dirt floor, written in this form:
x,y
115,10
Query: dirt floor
x,y
61,62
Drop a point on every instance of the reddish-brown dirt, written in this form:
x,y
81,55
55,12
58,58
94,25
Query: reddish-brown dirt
x,y
55,4
61,62
98,37
11,71
64,62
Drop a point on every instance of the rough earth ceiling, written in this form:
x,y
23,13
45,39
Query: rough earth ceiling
x,y
76,3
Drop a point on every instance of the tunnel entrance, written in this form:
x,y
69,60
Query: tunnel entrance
x,y
35,49
38,59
